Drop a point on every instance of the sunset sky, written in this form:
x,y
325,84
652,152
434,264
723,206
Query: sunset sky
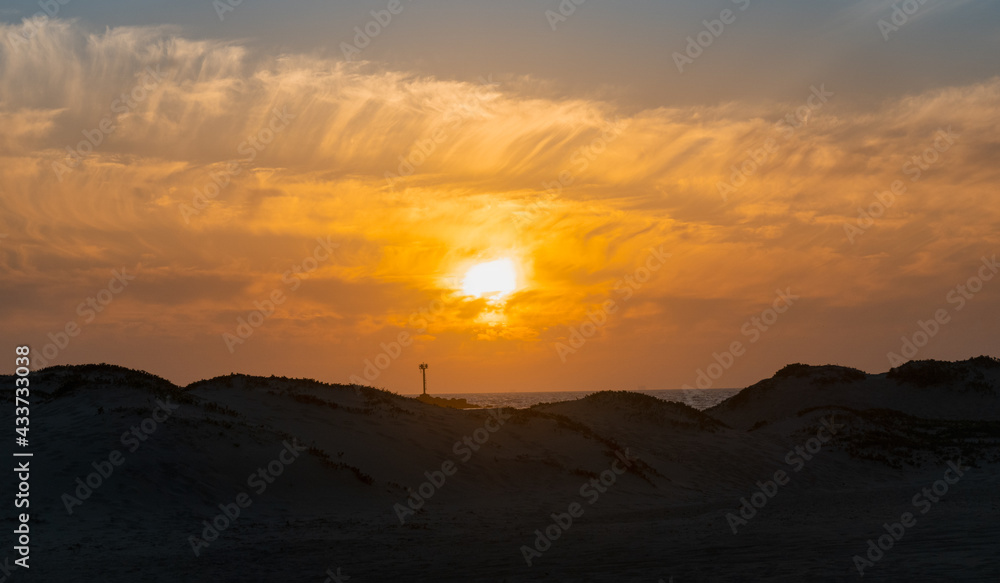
x,y
229,156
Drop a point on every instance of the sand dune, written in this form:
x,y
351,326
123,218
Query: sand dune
x,y
387,488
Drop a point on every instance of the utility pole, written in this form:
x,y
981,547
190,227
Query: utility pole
x,y
423,372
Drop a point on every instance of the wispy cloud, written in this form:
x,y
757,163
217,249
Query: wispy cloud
x,y
654,184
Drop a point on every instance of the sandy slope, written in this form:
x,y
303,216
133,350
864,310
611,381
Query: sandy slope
x,y
365,450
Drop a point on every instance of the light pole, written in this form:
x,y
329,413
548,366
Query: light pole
x,y
423,372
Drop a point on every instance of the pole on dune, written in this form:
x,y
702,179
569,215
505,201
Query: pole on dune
x,y
423,372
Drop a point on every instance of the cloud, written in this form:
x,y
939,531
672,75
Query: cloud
x,y
416,178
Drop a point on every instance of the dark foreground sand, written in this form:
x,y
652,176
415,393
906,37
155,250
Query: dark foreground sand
x,y
321,475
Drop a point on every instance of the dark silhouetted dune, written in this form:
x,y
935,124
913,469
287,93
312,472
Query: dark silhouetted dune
x,y
346,459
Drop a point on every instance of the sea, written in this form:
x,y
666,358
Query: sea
x,y
697,398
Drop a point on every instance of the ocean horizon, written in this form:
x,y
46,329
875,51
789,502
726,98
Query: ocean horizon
x,y
700,399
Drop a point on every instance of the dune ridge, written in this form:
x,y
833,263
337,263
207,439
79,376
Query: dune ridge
x,y
365,450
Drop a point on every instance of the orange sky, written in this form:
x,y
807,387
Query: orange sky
x,y
579,191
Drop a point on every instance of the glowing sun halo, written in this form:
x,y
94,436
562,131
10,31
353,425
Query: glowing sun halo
x,y
493,279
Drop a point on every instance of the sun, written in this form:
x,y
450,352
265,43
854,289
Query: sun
x,y
494,279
